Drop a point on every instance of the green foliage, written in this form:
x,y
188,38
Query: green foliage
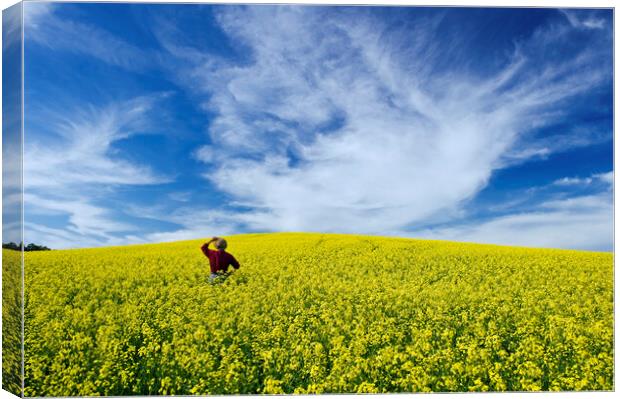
x,y
311,313
12,245
29,247
35,247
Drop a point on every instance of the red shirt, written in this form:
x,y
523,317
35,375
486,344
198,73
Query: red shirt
x,y
219,260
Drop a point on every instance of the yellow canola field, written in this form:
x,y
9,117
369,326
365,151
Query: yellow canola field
x,y
312,313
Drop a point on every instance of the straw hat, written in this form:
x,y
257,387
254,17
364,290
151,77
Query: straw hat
x,y
221,243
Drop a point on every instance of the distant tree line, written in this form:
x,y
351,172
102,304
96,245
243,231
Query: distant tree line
x,y
29,247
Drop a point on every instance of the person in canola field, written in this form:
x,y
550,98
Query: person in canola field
x,y
219,259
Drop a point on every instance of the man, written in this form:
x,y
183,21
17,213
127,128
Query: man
x,y
219,260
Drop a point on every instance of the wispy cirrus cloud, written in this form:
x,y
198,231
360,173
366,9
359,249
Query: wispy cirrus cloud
x,y
44,27
340,123
12,28
327,119
11,124
605,178
583,19
79,150
69,170
73,164
73,137
59,238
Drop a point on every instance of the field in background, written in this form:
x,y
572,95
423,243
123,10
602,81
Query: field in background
x,y
318,313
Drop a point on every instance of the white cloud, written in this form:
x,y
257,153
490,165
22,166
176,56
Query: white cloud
x,y
195,223
381,139
180,196
11,230
205,154
12,200
42,26
583,20
36,13
80,151
68,170
529,148
606,178
11,28
84,218
61,238
578,223
572,181
586,203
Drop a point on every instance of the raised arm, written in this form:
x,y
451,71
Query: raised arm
x,y
205,247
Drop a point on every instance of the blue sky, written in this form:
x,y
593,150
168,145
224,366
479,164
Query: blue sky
x,y
11,124
149,123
